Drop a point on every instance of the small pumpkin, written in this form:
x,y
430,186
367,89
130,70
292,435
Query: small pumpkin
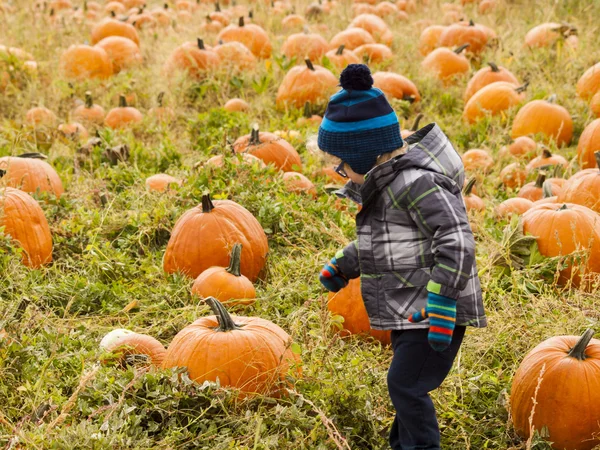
x,y
583,188
515,205
376,27
589,143
89,113
123,116
472,201
30,173
533,191
547,158
112,27
236,105
308,118
235,56
589,83
546,118
270,148
293,22
464,33
374,53
305,45
342,57
309,83
477,160
40,117
562,376
227,285
74,131
193,58
486,76
135,345
352,38
493,99
513,176
81,62
522,147
546,34
252,36
296,182
123,52
203,236
259,360
161,182
430,39
446,64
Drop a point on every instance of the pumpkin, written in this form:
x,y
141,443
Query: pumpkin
x,y
296,182
387,9
330,173
413,129
472,201
595,104
74,131
342,57
546,118
562,229
562,374
486,6
374,53
240,158
114,8
247,353
252,36
589,143
477,159
309,83
112,27
513,176
348,303
162,16
227,285
270,148
446,64
203,236
161,182
161,112
464,33
493,99
547,158
486,76
430,39
548,194
235,56
89,113
135,345
546,34
41,117
522,147
305,45
409,6
123,52
308,118
81,62
211,26
293,22
589,83
193,58
236,105
24,221
352,38
123,116
375,26
516,205
583,188
30,173
533,191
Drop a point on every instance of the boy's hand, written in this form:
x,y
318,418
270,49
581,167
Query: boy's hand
x,y
331,278
441,312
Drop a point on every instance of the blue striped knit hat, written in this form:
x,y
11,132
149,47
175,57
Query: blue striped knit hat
x,y
359,124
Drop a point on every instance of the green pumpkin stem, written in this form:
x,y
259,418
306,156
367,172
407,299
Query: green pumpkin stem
x,y
597,155
235,260
89,101
458,50
122,101
578,351
541,178
309,64
415,126
225,320
340,50
493,66
207,204
307,110
254,135
522,88
241,21
201,44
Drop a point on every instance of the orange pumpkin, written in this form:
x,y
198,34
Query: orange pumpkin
x,y
235,56
270,148
589,83
464,33
309,83
430,39
330,173
546,118
486,6
123,52
204,235
259,360
161,182
547,34
296,182
589,143
522,147
562,374
516,205
161,112
227,285
30,173
583,188
547,158
308,118
486,76
134,345
446,64
89,113
114,8
293,22
24,221
236,105
74,131
348,303
81,62
472,201
123,116
193,58
40,117
252,36
374,53
375,26
595,104
342,57
533,191
477,160
352,38
112,27
240,158
305,45
513,176
493,99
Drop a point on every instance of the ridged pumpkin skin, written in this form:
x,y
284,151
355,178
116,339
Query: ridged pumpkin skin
x,y
376,27
81,62
589,83
589,143
560,230
123,116
138,344
396,86
374,53
24,220
464,33
305,45
446,64
477,159
522,147
89,113
248,353
123,52
341,59
492,99
513,176
161,182
203,237
252,36
193,59
583,188
30,175
547,159
271,149
541,116
352,38
430,39
41,117
349,304
568,397
235,55
296,182
516,205
543,35
112,27
306,83
488,75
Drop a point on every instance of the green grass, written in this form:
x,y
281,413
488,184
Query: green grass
x,y
107,255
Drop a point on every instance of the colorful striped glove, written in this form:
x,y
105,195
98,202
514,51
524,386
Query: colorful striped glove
x,y
331,277
441,312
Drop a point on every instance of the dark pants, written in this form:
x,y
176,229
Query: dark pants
x,y
415,371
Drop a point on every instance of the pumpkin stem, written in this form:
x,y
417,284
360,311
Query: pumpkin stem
x,y
255,135
340,50
122,101
541,178
241,21
235,260
226,322
493,66
2,173
547,189
307,112
469,187
578,351
415,126
112,14
207,204
522,88
471,23
89,102
564,207
251,14
546,153
309,64
166,6
597,155
217,7
459,50
34,155
201,44
552,98
160,98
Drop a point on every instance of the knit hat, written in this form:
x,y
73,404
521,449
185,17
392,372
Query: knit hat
x,y
359,124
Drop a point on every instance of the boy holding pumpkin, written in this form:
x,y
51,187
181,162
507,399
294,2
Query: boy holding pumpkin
x,y
415,252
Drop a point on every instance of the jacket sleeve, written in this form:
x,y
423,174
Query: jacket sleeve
x,y
347,260
441,215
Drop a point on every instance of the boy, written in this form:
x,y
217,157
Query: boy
x,y
415,251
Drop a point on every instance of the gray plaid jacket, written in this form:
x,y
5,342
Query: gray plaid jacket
x,y
414,235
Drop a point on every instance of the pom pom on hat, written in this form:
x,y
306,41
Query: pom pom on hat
x,y
356,77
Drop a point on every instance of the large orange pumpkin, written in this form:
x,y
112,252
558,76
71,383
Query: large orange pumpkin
x,y
430,39
226,284
81,62
547,158
112,27
493,99
488,75
123,116
24,221
308,83
562,374
464,33
352,38
30,173
192,58
589,143
305,45
446,64
123,52
89,113
589,83
247,353
252,36
562,229
396,86
515,205
270,148
348,303
547,34
583,188
204,235
546,118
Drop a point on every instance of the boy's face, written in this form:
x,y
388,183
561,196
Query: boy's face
x,y
345,170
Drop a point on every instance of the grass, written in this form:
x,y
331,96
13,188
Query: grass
x,y
53,393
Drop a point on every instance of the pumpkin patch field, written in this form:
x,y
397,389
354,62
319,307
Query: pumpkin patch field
x,y
165,213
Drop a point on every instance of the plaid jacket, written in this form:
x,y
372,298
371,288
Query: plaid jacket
x,y
414,235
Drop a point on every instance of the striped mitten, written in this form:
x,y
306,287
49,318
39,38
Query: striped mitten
x,y
441,312
331,278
